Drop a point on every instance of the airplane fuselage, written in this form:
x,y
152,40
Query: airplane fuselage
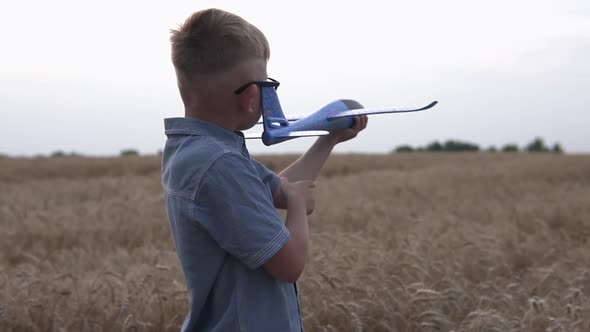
x,y
277,130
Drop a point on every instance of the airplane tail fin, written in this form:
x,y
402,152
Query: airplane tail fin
x,y
271,108
273,116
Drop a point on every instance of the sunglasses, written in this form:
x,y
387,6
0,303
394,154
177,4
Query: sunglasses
x,y
270,83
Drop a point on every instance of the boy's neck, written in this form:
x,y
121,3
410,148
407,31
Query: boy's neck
x,y
218,117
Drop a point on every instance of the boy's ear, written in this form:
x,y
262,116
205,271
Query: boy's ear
x,y
247,98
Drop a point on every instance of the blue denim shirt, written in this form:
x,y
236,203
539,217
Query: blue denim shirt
x,y
225,227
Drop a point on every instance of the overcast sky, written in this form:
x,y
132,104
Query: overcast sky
x,y
95,77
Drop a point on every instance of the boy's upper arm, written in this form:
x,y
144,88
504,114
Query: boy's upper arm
x,y
287,264
235,207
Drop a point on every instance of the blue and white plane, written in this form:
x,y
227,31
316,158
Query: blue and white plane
x,y
336,115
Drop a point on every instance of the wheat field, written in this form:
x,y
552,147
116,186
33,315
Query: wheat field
x,y
401,242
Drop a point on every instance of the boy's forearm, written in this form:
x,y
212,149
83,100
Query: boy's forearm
x,y
308,166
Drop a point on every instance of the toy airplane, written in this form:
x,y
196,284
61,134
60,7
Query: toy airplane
x,y
336,115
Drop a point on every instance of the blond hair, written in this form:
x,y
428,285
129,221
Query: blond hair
x,y
212,40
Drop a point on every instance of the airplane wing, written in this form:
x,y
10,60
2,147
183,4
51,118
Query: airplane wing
x,y
290,118
305,133
367,111
252,135
291,134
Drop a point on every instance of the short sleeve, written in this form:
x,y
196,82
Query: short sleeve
x,y
235,206
268,177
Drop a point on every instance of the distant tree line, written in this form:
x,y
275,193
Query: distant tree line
x,y
123,153
60,153
129,152
537,145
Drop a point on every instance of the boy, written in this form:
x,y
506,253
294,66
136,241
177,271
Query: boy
x,y
240,261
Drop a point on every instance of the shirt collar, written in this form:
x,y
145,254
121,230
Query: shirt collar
x,y
196,127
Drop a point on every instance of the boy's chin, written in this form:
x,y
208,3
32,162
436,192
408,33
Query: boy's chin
x,y
247,126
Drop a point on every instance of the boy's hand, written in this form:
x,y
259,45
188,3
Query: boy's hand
x,y
360,123
299,192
